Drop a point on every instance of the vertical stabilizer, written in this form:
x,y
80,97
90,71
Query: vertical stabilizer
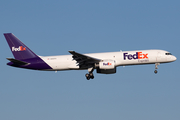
x,y
19,49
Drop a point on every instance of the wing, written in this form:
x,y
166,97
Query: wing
x,y
84,60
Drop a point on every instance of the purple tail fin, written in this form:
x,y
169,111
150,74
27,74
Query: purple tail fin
x,y
19,49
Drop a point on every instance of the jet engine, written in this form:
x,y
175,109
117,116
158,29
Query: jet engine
x,y
106,67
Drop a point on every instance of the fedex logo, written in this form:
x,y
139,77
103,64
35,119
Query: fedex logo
x,y
107,63
137,55
20,48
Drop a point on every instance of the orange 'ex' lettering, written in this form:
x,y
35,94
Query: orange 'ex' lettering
x,y
140,55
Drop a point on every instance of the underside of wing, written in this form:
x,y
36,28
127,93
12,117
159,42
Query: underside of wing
x,y
84,60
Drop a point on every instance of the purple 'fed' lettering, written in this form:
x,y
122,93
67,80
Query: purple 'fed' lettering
x,y
130,57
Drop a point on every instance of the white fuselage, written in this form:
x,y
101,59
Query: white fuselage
x,y
122,58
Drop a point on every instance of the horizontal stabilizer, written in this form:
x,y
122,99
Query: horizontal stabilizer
x,y
17,62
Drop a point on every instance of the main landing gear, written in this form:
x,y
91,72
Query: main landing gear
x,y
90,74
156,67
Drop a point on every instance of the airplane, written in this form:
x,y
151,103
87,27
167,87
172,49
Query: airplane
x,y
104,63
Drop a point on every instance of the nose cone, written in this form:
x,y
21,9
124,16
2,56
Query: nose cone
x,y
174,58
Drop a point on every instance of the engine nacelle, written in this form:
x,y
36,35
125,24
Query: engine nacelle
x,y
106,67
106,71
107,64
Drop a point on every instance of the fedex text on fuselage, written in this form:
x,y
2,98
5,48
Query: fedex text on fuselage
x,y
137,55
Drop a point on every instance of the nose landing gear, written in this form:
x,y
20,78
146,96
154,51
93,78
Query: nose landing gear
x,y
156,67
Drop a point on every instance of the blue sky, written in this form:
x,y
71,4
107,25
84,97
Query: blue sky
x,y
57,26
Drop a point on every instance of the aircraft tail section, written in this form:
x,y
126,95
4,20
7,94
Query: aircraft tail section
x,y
19,49
24,57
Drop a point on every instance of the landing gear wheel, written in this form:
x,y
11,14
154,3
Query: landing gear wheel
x,y
91,75
155,71
88,76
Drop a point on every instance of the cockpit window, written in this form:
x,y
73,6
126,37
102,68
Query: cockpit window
x,y
168,53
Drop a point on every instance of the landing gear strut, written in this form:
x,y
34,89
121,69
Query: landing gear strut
x,y
156,67
90,74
